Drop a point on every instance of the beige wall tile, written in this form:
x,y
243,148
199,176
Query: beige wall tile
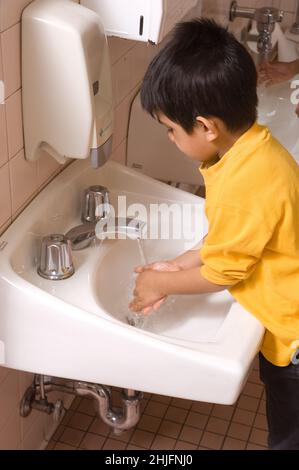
x,y
138,59
10,438
32,440
10,12
3,136
14,124
118,47
47,166
3,374
121,79
9,398
121,118
128,71
119,154
3,133
5,199
1,65
11,56
288,20
287,5
25,380
5,226
23,177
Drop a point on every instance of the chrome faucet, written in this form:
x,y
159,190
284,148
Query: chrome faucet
x,y
96,204
55,261
80,237
98,223
266,19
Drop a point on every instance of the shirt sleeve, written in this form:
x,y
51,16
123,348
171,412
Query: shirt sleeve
x,y
233,246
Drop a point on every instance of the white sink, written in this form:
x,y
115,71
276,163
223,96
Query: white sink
x,y
198,348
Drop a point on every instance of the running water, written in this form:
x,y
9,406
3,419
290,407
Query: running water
x,y
140,320
143,256
137,319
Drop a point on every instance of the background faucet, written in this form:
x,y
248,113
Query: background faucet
x,y
266,19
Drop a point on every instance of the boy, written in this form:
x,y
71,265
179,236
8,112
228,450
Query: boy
x,y
202,87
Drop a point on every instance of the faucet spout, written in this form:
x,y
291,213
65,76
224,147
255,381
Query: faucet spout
x,y
120,227
81,236
112,228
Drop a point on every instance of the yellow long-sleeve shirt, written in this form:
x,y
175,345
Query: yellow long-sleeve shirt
x,y
252,205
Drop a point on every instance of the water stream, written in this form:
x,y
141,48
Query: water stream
x,y
135,318
151,321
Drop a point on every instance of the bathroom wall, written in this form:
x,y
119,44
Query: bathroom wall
x,y
20,181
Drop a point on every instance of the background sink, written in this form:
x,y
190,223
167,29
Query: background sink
x,y
277,112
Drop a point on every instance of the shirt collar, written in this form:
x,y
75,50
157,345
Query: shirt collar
x,y
255,135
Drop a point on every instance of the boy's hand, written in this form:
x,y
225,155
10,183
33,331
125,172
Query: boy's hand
x,y
146,293
162,266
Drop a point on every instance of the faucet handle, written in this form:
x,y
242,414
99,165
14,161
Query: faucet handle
x,y
268,16
95,204
55,258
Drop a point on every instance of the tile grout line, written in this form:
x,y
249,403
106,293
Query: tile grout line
x,y
162,419
181,424
253,424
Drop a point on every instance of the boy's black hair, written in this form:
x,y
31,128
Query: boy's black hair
x,y
202,71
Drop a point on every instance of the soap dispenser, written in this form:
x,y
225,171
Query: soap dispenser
x,y
142,20
66,82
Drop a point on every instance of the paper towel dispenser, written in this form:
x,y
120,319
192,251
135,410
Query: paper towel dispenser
x,y
142,20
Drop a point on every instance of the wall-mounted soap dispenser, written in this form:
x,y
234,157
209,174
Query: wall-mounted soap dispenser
x,y
142,20
66,82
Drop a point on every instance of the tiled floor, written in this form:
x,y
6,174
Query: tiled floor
x,y
169,423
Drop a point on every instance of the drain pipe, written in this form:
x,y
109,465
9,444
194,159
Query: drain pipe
x,y
119,420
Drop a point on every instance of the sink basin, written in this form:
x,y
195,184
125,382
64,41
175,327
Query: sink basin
x,y
206,313
197,347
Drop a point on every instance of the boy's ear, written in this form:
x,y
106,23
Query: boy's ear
x,y
210,127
